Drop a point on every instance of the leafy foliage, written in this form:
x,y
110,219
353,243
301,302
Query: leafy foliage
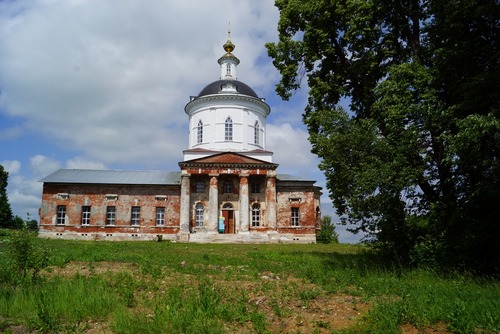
x,y
6,219
415,161
17,222
27,259
327,234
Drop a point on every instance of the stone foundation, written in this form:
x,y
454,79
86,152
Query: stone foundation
x,y
202,238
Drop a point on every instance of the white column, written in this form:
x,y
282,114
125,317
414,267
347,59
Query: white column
x,y
185,201
213,203
271,202
244,203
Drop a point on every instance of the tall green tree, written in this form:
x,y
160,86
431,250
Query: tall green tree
x,y
414,162
6,218
327,233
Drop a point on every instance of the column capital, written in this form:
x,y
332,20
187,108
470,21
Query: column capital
x,y
271,173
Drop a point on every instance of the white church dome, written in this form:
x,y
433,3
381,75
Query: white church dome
x,y
227,116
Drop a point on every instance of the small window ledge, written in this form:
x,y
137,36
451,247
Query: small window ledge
x,y
62,195
111,197
160,197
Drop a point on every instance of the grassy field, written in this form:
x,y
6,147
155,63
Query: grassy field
x,y
162,287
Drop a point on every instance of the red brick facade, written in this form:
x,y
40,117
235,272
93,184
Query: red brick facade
x,y
257,205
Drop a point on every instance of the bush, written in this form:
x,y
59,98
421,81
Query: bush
x,y
32,225
17,223
26,259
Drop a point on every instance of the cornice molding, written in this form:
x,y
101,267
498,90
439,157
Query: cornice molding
x,y
231,96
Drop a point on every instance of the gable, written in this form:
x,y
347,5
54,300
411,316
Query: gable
x,y
228,159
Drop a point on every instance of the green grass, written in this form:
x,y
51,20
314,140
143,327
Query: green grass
x,y
164,287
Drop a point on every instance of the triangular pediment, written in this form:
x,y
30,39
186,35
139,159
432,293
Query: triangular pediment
x,y
229,158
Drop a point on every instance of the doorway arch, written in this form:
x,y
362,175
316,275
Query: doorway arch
x,y
228,214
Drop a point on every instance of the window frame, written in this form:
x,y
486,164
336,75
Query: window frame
x,y
110,215
199,187
295,216
61,215
228,187
160,216
199,215
228,129
199,136
256,133
256,217
85,215
255,187
135,216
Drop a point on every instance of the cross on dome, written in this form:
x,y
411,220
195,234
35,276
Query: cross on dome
x,y
229,46
228,62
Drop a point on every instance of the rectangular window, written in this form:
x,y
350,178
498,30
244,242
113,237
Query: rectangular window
x,y
200,132
199,215
255,215
295,216
200,187
110,215
61,214
135,216
85,215
228,187
255,187
256,137
160,216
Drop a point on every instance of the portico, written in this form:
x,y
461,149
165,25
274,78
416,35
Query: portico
x,y
240,189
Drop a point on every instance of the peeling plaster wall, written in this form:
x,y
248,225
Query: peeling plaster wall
x,y
288,194
74,196
306,200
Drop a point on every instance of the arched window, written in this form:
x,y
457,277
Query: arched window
x,y
200,132
256,215
256,133
228,129
228,69
200,210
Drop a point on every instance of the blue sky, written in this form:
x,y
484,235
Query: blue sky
x,y
103,84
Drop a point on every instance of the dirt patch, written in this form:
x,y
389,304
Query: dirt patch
x,y
289,304
299,307
437,329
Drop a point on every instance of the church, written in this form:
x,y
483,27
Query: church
x,y
227,188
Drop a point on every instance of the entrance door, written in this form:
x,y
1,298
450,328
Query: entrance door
x,y
228,220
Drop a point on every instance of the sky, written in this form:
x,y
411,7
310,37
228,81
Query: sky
x,y
102,84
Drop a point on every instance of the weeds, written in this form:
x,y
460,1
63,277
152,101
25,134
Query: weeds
x,y
26,258
175,288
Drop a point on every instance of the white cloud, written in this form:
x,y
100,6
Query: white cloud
x,y
24,193
290,146
42,166
11,166
80,163
110,79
